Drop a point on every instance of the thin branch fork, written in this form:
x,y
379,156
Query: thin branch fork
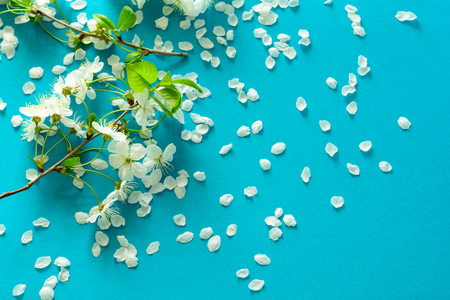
x,y
84,33
52,168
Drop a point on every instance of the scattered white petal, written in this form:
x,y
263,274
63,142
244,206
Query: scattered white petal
x,y
19,290
331,82
256,127
206,56
233,20
101,238
185,46
206,43
186,24
259,33
242,273
237,3
63,275
267,40
29,88
328,2
2,104
290,53
270,62
256,285
289,220
145,209
324,125
404,123
199,23
215,61
186,135
42,262
268,19
231,230
51,282
225,149
331,149
348,89
99,164
278,212
265,164
58,70
96,250
78,4
16,120
350,8
153,248
353,169
363,70
162,23
206,233
385,166
68,59
41,222
62,262
185,237
275,233
199,176
365,146
200,33
250,191
230,35
196,137
180,220
27,237
81,218
167,10
47,293
300,104
2,229
243,131
352,108
352,79
337,201
247,15
226,200
306,174
219,31
405,16
262,259
252,95
36,73
231,52
272,221
278,148
214,243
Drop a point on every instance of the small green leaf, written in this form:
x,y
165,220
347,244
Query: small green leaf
x,y
134,57
114,98
163,107
167,80
188,82
127,18
71,162
104,22
141,75
172,98
91,118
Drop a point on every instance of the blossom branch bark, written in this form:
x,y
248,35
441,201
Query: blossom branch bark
x,y
84,33
52,168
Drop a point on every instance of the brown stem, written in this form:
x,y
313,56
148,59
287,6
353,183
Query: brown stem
x,y
52,168
84,33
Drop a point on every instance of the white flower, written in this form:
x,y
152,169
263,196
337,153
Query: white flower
x,y
75,124
106,215
125,160
156,159
73,84
109,129
146,112
90,68
125,190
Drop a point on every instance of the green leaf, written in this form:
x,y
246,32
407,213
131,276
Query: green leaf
x,y
104,22
91,118
172,98
114,98
167,80
71,162
163,107
141,75
134,57
188,82
127,18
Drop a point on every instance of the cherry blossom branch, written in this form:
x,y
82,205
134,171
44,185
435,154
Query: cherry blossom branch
x,y
84,33
52,168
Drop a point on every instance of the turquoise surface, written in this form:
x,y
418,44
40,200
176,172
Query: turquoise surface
x,y
390,240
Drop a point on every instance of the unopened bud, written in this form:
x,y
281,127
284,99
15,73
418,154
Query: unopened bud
x,y
56,117
36,119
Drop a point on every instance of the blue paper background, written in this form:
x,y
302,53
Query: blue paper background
x,y
390,240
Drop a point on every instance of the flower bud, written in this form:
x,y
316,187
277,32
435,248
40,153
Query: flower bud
x,y
36,119
56,118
